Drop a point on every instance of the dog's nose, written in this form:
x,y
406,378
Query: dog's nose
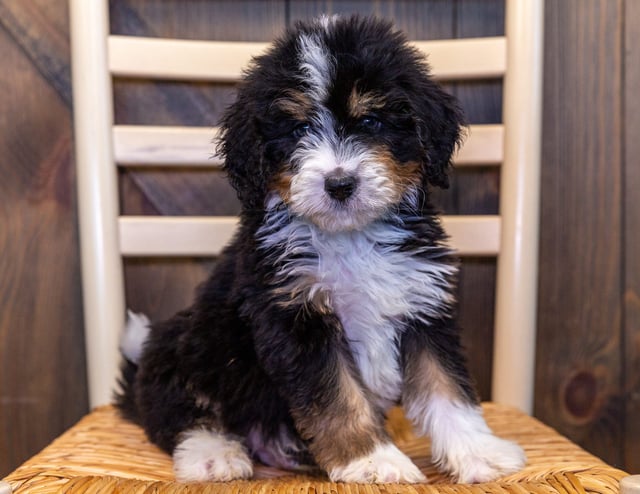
x,y
340,187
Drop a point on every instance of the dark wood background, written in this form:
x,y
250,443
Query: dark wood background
x,y
588,366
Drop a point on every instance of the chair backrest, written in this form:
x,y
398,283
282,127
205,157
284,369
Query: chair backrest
x,y
101,147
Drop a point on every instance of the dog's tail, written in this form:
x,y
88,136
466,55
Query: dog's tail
x,y
136,333
134,336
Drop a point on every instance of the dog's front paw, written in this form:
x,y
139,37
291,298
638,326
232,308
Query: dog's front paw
x,y
385,464
488,459
208,455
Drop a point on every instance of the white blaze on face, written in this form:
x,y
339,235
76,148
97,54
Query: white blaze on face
x,y
316,64
323,153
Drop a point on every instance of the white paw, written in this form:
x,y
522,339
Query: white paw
x,y
207,455
488,459
385,464
462,443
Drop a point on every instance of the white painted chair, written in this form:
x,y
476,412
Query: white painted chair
x,y
106,236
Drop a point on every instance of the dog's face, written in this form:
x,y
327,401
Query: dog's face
x,y
340,122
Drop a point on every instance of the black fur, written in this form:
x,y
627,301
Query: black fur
x,y
244,355
369,54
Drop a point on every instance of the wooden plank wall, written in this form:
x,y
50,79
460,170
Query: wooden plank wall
x,y
580,339
42,369
631,237
588,378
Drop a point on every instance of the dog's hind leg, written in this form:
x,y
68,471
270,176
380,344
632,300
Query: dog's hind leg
x,y
439,399
180,418
204,454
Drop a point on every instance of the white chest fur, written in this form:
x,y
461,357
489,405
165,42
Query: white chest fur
x,y
372,286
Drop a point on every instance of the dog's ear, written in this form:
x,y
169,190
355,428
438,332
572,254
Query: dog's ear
x,y
440,122
241,145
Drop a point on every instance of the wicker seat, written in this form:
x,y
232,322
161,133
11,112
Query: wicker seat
x,y
104,453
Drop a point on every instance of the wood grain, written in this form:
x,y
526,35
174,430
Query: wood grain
x,y
41,32
631,273
42,372
476,192
419,20
579,359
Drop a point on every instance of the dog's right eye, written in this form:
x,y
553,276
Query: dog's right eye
x,y
301,130
370,123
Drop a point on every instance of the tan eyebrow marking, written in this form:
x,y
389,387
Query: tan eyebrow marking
x,y
296,104
360,104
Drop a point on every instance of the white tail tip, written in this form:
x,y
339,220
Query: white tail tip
x,y
136,332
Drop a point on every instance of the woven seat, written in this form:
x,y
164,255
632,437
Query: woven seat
x,y
104,453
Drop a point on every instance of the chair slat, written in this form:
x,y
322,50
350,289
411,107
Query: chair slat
x,y
207,235
194,146
175,59
466,58
142,145
484,145
175,235
474,235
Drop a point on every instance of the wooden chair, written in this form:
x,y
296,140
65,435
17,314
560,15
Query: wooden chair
x,y
101,147
103,453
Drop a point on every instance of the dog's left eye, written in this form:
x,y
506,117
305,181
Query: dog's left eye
x,y
370,123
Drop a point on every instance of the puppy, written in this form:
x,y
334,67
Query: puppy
x,y
335,299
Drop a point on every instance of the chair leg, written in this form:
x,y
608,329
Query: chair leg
x,y
630,485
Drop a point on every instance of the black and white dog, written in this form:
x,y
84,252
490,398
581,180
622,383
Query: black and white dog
x,y
335,299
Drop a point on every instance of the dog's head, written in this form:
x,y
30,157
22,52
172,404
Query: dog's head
x,y
341,122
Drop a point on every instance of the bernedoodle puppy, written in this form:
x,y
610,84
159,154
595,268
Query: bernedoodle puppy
x,y
335,299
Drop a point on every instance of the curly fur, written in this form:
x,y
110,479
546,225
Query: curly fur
x,y
335,299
